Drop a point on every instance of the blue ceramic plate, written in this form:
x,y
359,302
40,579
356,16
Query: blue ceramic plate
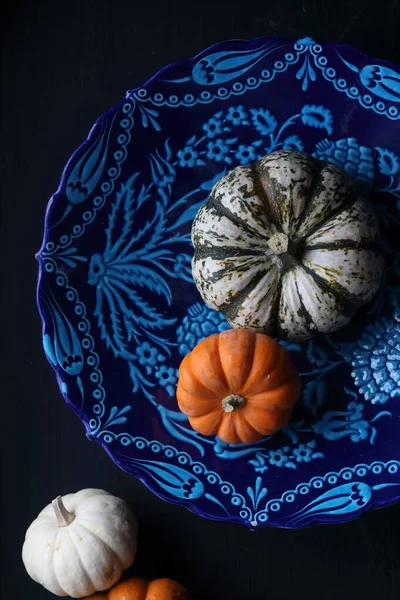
x,y
120,309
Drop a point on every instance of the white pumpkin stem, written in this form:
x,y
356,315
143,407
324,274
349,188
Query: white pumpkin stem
x,y
63,516
278,243
233,401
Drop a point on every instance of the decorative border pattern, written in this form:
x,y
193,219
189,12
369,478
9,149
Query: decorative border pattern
x,y
381,82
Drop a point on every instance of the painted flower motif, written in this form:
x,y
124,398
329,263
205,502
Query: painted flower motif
x,y
217,150
199,323
278,457
263,120
376,362
149,356
97,269
236,115
213,127
303,453
187,157
167,378
245,154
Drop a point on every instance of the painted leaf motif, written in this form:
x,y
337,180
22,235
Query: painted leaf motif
x,y
316,355
263,120
258,493
122,213
142,276
134,262
317,116
117,417
387,161
293,142
290,465
306,73
209,184
174,422
122,314
187,215
162,171
109,322
149,116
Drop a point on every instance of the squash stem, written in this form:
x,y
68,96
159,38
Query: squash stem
x,y
283,251
63,516
278,243
233,401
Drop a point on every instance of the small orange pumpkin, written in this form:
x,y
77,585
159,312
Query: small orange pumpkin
x,y
238,385
137,588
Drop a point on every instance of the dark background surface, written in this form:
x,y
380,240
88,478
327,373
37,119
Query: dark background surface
x,y
63,63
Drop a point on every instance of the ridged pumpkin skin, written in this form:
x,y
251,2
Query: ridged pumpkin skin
x,y
284,247
81,543
238,385
137,588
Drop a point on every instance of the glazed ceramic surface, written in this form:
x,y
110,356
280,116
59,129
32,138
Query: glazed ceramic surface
x,y
120,309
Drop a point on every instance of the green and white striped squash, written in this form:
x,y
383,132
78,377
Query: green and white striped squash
x,y
285,247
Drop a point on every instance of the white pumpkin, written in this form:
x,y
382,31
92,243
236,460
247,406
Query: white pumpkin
x,y
284,246
81,543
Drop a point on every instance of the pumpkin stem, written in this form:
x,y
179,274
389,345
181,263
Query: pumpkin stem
x,y
278,243
233,401
63,516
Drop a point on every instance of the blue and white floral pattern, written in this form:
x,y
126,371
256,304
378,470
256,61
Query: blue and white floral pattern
x,y
120,309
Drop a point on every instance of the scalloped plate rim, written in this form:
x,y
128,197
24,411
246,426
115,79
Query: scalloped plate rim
x,y
192,506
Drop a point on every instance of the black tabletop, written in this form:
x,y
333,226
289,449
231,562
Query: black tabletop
x,y
63,63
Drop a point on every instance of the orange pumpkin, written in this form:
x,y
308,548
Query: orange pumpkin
x,y
137,588
238,385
